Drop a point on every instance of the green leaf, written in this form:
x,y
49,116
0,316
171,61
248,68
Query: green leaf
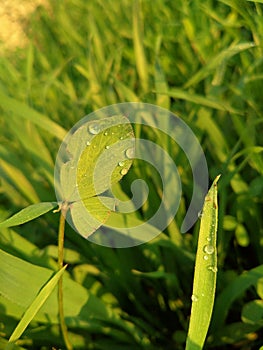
x,y
205,273
20,283
36,305
232,292
100,153
252,312
207,101
222,57
105,155
27,214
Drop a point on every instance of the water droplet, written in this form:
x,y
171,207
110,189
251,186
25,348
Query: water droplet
x,y
112,133
194,298
212,268
88,143
124,171
106,133
208,239
121,138
200,214
107,147
205,257
121,163
129,153
94,128
209,249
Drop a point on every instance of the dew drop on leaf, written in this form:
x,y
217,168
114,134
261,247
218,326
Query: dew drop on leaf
x,y
194,298
124,171
107,147
129,153
209,249
212,268
121,163
205,257
200,214
94,128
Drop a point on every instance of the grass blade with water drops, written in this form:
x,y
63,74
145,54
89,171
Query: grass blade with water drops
x,y
205,273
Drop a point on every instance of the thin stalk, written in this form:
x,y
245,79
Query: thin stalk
x,y
61,232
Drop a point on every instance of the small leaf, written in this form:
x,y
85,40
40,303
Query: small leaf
x,y
27,214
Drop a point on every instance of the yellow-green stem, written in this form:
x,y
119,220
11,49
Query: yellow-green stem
x,y
61,232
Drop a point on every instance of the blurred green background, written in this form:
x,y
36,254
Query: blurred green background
x,y
201,60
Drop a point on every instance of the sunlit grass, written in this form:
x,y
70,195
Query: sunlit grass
x,y
203,61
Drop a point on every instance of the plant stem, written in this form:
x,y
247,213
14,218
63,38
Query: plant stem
x,y
61,232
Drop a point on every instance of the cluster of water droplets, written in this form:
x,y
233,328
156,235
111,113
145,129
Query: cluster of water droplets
x,y
95,128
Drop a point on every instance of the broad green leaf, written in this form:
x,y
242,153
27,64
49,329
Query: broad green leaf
x,y
36,305
205,273
19,275
82,309
105,155
100,153
27,214
19,246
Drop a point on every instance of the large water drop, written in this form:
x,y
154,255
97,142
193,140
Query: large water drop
x,y
94,128
209,249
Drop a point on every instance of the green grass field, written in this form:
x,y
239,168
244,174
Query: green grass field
x,y
202,60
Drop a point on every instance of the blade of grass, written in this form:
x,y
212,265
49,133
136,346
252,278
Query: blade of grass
x,y
140,58
201,100
36,305
19,108
234,290
217,60
205,273
19,180
27,214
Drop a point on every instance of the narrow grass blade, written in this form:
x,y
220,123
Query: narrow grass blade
x,y
27,214
36,305
22,110
205,273
19,179
140,57
210,102
233,291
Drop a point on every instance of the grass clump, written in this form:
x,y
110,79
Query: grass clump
x,y
203,61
